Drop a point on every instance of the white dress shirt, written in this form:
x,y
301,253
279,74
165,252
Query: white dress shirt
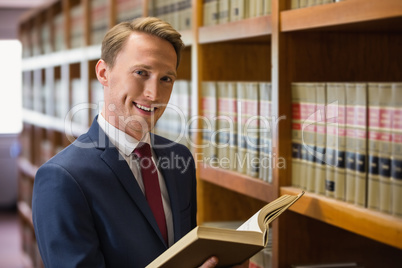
x,y
126,144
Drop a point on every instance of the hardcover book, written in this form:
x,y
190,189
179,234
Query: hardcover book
x,y
230,246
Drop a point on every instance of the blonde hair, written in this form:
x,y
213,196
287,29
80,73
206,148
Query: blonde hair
x,y
116,37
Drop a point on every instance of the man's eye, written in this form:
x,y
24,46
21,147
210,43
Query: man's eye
x,y
167,79
140,72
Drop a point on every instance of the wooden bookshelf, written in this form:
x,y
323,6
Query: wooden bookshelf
x,y
237,182
66,57
347,41
243,29
340,14
384,228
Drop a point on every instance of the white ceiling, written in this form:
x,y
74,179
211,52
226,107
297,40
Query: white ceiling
x,y
21,3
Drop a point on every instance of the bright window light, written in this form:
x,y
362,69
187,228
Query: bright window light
x,y
10,88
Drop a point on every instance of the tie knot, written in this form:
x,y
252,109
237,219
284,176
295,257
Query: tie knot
x,y
143,150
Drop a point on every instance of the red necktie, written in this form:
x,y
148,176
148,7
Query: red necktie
x,y
151,184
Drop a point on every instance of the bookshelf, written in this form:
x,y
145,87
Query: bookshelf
x,y
347,41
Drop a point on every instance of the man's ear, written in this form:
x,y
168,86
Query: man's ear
x,y
102,72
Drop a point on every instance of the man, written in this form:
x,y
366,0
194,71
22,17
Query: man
x,y
91,203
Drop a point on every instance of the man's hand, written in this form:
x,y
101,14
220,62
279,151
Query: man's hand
x,y
213,262
210,263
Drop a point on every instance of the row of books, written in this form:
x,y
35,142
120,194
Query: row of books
x,y
177,12
99,20
347,142
128,10
99,23
308,3
223,11
236,127
176,122
77,27
53,99
37,39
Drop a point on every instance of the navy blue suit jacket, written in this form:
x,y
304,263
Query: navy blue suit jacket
x,y
88,210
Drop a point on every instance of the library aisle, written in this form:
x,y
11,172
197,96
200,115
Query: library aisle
x,y
10,241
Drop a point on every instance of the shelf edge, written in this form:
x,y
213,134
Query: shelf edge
x,y
253,187
247,28
54,123
340,13
381,227
61,57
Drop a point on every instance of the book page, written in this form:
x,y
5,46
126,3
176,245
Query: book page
x,y
251,224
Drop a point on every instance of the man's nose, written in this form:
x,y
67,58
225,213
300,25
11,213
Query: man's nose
x,y
151,89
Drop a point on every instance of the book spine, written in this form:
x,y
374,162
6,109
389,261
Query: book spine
x,y
45,38
385,91
35,39
78,97
232,114
26,44
128,10
187,101
224,14
210,12
309,132
252,125
396,157
361,145
158,9
303,3
27,90
321,136
340,168
183,15
311,3
267,7
77,27
97,98
385,146
188,16
242,157
166,13
59,42
175,14
49,92
374,135
265,172
181,112
332,136
297,166
351,142
294,4
252,8
259,9
209,112
224,125
37,91
99,20
237,10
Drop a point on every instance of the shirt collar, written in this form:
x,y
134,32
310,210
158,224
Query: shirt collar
x,y
123,142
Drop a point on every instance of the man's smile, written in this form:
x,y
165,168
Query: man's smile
x,y
144,108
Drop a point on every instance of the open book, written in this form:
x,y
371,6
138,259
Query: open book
x,y
230,246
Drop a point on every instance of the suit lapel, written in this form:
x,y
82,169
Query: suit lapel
x,y
168,174
120,168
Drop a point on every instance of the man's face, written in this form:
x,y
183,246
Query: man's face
x,y
138,87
